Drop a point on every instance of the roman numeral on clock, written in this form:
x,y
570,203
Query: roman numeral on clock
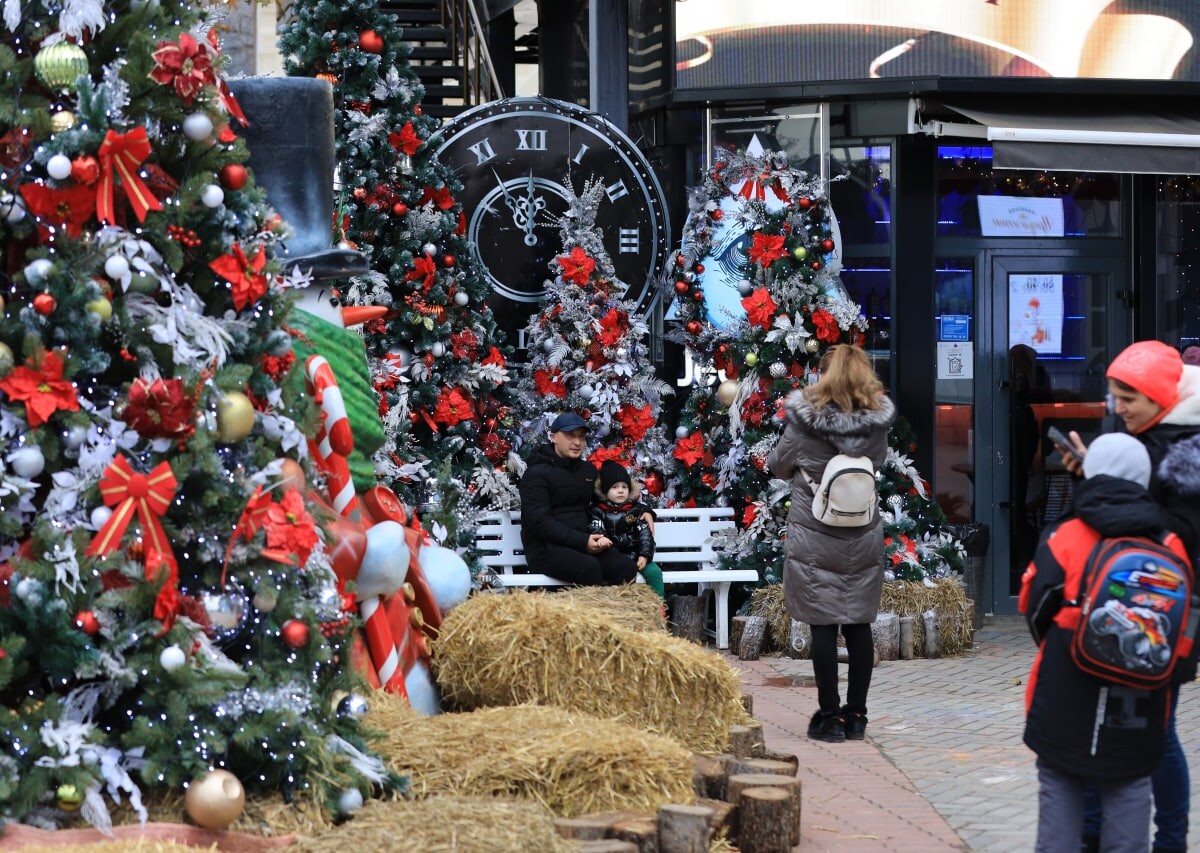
x,y
482,151
616,191
531,140
628,240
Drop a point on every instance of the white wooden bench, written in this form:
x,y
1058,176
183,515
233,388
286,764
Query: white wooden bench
x,y
681,537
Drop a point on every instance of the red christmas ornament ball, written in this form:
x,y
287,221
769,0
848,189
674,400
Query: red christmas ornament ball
x,y
816,265
699,268
680,260
294,633
804,203
44,304
681,287
448,260
233,176
694,327
370,41
826,245
698,295
399,209
86,621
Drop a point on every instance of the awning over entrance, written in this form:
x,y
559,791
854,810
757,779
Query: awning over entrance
x,y
1119,137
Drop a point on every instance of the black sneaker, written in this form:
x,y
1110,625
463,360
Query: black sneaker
x,y
854,723
826,727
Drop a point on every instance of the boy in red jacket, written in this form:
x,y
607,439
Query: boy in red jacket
x,y
1084,729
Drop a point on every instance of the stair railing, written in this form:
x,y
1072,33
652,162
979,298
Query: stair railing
x,y
468,46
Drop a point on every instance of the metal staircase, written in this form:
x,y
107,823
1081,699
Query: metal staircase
x,y
449,53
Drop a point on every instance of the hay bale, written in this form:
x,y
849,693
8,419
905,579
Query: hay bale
x,y
768,602
947,597
528,648
634,606
443,824
570,763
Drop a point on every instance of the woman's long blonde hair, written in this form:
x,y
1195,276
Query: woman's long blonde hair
x,y
847,380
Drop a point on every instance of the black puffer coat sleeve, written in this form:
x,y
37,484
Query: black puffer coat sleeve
x,y
542,506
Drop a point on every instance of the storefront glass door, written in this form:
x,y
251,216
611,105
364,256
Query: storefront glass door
x,y
1055,323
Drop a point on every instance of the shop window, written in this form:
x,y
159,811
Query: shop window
x,y
869,283
1178,259
954,424
861,193
976,200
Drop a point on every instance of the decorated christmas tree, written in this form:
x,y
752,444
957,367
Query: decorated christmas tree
x,y
436,356
588,354
767,231
169,617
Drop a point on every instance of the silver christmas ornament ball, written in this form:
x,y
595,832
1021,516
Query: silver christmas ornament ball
x,y
778,370
682,432
744,287
353,706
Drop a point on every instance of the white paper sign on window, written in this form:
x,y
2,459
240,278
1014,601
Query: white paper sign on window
x,y
1012,216
1035,312
955,360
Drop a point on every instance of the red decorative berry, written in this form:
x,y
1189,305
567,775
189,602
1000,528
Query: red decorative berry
x,y
399,209
826,245
680,260
294,633
86,621
699,269
694,327
370,41
233,176
698,294
682,287
44,304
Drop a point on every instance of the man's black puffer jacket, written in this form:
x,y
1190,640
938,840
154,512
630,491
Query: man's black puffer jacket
x,y
555,497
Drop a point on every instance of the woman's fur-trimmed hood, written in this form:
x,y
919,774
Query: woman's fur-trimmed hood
x,y
830,420
1179,470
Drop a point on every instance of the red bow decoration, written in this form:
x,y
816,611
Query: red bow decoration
x,y
148,495
124,153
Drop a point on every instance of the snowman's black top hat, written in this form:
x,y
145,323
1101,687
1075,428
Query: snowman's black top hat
x,y
290,138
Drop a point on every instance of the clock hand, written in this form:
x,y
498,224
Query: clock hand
x,y
524,209
537,203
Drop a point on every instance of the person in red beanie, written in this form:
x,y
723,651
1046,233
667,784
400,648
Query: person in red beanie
x,y
1156,398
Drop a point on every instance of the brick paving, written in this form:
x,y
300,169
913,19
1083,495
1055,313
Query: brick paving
x,y
943,767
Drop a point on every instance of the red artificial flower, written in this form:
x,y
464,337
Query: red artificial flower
x,y
187,66
689,450
461,229
749,514
452,407
549,382
406,140
464,345
496,357
424,270
440,197
246,276
69,207
160,409
709,479
576,267
290,529
39,385
635,423
760,308
827,326
495,448
277,366
613,327
766,249
603,454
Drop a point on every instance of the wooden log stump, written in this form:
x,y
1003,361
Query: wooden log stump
x,y
584,828
747,741
906,638
687,617
708,777
734,785
684,829
932,639
738,766
750,645
792,760
748,703
641,832
799,641
764,816
736,625
724,815
885,631
607,845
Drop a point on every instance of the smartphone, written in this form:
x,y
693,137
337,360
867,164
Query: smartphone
x,y
1064,444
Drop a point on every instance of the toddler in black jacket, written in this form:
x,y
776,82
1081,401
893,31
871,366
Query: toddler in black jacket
x,y
618,514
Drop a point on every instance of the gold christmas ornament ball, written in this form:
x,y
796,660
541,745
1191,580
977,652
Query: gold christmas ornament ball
x,y
58,65
61,121
6,358
235,417
727,392
215,801
291,475
812,345
69,798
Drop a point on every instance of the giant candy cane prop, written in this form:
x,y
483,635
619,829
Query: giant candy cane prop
x,y
334,440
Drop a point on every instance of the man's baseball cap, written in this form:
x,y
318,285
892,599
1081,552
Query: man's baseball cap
x,y
568,422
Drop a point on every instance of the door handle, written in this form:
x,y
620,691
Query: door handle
x,y
1004,504
1005,384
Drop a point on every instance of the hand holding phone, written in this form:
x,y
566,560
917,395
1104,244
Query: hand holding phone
x,y
1064,444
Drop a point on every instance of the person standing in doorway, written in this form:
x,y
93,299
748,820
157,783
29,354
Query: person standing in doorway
x,y
834,575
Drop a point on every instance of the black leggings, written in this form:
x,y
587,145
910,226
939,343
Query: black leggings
x,y
861,649
608,568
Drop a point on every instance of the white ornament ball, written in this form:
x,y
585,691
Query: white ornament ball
x,y
548,345
587,391
438,349
172,657
116,267
37,271
727,392
100,516
27,461
212,196
429,249
59,167
12,208
197,126
461,298
682,432
744,287
75,437
351,800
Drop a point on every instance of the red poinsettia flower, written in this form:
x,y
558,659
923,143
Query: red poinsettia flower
x,y
406,140
750,514
613,326
635,423
39,385
495,448
496,357
549,382
452,407
424,270
246,276
290,529
160,409
689,450
760,308
277,366
827,326
187,66
440,197
766,249
464,345
68,207
576,267
603,454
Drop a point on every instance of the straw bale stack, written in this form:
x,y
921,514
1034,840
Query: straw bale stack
x,y
570,763
634,605
538,649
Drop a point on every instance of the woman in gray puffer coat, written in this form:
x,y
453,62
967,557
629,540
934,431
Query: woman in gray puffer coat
x,y
834,575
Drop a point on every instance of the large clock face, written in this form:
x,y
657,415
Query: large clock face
x,y
514,158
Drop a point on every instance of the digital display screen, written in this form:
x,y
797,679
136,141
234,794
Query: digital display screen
x,y
724,43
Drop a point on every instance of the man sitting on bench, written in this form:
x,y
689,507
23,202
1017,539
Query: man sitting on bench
x,y
556,496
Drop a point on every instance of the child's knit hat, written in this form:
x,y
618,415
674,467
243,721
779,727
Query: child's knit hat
x,y
1118,454
611,473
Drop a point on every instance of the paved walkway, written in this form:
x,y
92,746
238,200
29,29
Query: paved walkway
x,y
943,767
